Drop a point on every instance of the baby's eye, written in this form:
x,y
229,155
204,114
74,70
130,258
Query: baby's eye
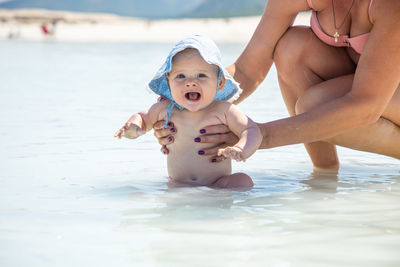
x,y
202,75
180,76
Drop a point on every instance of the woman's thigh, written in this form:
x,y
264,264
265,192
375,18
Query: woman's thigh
x,y
302,61
312,72
334,88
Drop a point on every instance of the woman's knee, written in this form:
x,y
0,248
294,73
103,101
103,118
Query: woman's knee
x,y
290,49
324,92
306,102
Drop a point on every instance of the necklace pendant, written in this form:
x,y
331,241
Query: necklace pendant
x,y
336,35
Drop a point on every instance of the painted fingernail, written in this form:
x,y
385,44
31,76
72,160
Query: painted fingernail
x,y
202,131
214,160
170,124
197,139
201,152
170,139
172,130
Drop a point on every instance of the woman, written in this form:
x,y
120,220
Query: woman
x,y
339,79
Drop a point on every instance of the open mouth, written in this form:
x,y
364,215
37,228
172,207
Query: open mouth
x,y
193,96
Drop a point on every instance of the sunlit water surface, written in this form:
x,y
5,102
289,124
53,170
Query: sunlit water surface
x,y
72,195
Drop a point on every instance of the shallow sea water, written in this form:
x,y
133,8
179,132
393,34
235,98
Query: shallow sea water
x,y
72,195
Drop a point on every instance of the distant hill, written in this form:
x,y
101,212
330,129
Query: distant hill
x,y
151,9
227,8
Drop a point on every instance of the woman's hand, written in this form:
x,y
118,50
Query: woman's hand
x,y
220,136
164,136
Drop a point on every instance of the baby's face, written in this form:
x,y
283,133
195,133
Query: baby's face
x,y
193,82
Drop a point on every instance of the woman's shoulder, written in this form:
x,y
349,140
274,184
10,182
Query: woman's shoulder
x,y
384,9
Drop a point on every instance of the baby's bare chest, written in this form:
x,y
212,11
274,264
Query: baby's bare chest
x,y
184,161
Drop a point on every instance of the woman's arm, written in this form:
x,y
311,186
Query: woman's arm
x,y
253,64
249,69
375,81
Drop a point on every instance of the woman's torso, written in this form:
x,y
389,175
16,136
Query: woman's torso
x,y
356,26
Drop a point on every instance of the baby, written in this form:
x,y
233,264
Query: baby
x,y
194,80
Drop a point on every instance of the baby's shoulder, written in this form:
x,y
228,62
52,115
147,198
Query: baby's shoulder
x,y
160,105
157,111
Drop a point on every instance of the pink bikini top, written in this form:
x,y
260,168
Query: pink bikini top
x,y
356,42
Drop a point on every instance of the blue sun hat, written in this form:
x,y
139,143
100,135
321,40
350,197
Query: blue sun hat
x,y
209,51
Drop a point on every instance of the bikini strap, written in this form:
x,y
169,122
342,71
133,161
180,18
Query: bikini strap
x,y
310,4
369,10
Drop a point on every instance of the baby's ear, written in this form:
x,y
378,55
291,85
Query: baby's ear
x,y
221,83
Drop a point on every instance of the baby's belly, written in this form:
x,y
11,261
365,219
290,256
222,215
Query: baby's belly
x,y
186,166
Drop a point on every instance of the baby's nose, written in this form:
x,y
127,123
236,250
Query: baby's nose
x,y
191,83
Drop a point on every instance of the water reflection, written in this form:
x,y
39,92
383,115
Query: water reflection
x,y
276,202
323,180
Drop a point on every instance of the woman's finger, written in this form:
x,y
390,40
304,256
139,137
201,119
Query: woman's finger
x,y
216,138
166,140
164,150
159,132
215,129
164,132
211,151
217,159
159,125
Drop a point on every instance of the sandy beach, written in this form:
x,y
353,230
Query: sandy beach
x,y
26,24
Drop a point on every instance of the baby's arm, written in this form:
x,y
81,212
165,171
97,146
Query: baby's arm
x,y
250,136
141,122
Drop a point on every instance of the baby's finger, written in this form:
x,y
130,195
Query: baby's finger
x,y
224,153
123,130
215,129
240,157
118,134
140,131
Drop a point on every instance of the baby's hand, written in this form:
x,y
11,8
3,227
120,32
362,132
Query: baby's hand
x,y
129,130
233,152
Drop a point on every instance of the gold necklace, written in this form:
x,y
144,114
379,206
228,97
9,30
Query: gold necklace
x,y
336,35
